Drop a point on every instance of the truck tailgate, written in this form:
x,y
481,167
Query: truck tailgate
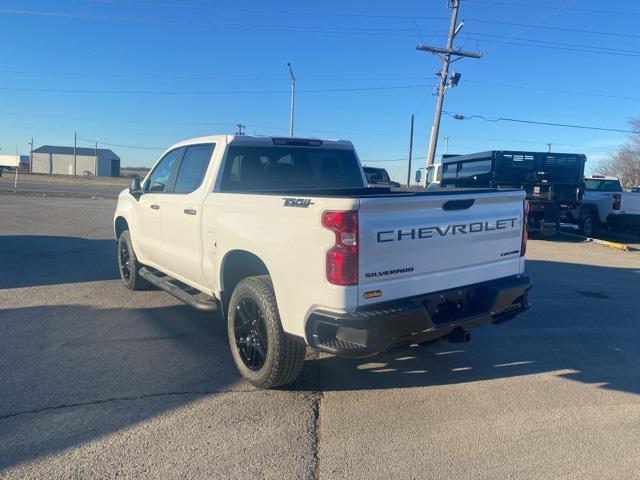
x,y
411,245
631,203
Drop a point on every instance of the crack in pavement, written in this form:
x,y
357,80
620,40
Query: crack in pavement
x,y
118,399
314,473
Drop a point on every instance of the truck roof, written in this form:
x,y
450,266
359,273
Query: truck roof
x,y
257,140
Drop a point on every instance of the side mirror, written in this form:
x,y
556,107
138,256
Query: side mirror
x,y
135,187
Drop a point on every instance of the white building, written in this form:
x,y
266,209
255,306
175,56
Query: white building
x,y
52,159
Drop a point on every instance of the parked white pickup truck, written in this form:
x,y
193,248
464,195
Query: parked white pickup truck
x,y
605,205
282,236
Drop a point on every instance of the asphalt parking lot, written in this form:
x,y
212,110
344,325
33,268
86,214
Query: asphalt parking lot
x,y
57,185
98,381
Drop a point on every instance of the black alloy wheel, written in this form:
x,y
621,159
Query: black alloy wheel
x,y
124,261
250,332
588,226
128,265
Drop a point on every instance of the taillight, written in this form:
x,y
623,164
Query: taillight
x,y
617,201
525,234
342,258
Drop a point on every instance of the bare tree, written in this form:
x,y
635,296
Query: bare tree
x,y
625,163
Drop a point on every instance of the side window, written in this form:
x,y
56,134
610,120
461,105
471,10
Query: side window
x,y
476,167
160,180
611,186
193,167
449,171
430,172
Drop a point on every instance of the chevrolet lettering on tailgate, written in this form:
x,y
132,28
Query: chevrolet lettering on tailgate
x,y
420,233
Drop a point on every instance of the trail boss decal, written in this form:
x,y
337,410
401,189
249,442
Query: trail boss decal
x,y
372,294
421,233
297,202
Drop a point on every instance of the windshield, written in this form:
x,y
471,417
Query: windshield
x,y
376,175
289,168
430,173
602,185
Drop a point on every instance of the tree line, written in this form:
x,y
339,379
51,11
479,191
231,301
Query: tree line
x,y
625,162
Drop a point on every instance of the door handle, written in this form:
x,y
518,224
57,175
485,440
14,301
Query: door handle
x,y
155,207
189,211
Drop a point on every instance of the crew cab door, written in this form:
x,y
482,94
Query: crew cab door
x,y
147,233
182,216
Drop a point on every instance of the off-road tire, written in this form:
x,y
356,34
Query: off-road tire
x,y
589,225
132,280
284,357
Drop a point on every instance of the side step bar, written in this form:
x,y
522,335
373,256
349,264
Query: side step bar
x,y
165,284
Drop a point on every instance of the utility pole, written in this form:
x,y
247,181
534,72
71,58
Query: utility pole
x,y
549,145
446,145
31,156
293,99
410,151
97,166
15,181
240,127
75,148
445,54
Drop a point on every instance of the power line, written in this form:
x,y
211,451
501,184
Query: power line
x,y
359,15
196,77
262,12
303,29
205,92
560,29
458,116
564,48
381,160
189,23
351,15
481,82
555,90
548,42
548,7
189,124
119,145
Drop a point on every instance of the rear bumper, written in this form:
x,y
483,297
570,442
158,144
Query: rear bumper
x,y
624,221
372,330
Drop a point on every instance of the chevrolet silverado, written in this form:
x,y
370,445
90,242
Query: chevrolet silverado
x,y
285,240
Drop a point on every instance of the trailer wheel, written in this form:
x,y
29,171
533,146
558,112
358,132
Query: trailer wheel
x,y
262,352
128,264
588,225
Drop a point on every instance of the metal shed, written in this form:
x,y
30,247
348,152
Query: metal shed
x,y
52,159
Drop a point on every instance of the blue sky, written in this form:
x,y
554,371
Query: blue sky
x,y
187,67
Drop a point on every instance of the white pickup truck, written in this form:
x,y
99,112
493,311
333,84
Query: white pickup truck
x,y
282,236
605,205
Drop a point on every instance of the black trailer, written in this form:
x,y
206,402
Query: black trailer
x,y
552,181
